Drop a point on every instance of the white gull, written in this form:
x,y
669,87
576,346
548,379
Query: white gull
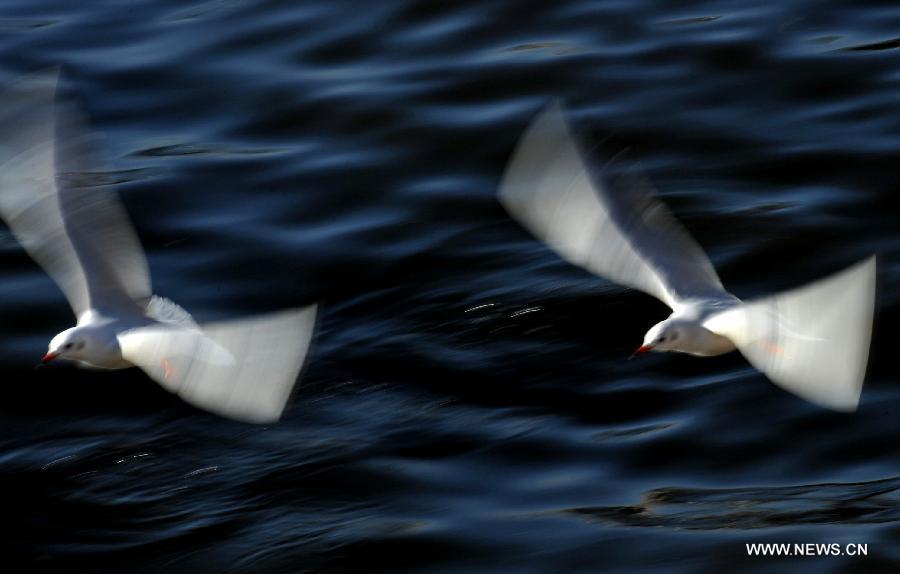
x,y
812,341
77,230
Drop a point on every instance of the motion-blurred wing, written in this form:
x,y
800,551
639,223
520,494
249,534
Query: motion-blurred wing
x,y
70,225
242,369
619,231
812,341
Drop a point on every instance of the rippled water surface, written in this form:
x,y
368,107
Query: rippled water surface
x,y
467,405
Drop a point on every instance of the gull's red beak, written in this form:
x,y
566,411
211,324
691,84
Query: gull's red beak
x,y
641,350
49,357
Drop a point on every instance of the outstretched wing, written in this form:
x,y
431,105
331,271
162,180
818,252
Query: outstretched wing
x,y
618,230
812,341
70,224
242,369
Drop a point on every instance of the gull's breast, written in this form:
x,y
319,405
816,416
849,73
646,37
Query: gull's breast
x,y
709,344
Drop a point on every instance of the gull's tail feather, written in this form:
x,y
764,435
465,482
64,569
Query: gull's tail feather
x,y
812,341
165,310
243,369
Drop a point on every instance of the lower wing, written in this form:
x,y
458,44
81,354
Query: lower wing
x,y
243,369
812,341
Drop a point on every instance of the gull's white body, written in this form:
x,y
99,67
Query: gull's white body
x,y
692,338
78,232
812,341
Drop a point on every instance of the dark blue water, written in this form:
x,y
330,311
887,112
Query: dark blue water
x,y
467,405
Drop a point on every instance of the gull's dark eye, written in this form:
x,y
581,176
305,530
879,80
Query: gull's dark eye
x,y
662,339
67,346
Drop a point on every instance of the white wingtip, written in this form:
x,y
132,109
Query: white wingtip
x,y
77,231
812,341
269,352
244,369
612,225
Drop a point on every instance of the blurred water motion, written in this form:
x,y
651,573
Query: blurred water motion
x,y
272,154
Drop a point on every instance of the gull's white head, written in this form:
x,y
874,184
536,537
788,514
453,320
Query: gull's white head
x,y
664,336
72,344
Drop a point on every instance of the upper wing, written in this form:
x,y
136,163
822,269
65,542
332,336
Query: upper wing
x,y
812,341
242,369
71,226
619,231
